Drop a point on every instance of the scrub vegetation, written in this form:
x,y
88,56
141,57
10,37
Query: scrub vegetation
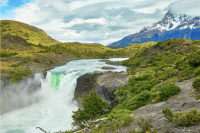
x,y
187,119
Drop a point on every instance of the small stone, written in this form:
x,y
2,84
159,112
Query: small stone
x,y
173,65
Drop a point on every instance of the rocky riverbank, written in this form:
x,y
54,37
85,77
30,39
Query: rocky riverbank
x,y
104,83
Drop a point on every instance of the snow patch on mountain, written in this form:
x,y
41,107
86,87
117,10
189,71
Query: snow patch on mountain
x,y
173,21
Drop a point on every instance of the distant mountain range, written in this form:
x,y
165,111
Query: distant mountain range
x,y
171,26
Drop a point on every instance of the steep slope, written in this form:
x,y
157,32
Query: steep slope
x,y
184,101
171,26
30,33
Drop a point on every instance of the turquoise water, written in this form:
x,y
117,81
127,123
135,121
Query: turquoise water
x,y
54,109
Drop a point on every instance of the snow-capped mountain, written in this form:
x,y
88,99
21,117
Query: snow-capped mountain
x,y
171,26
172,21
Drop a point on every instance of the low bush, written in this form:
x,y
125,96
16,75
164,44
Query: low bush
x,y
159,44
26,60
169,42
117,119
168,91
197,71
36,60
188,118
51,61
20,74
139,100
93,107
168,114
196,83
145,126
120,118
16,65
8,55
194,60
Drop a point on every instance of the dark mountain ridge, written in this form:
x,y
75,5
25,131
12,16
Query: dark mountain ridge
x,y
170,27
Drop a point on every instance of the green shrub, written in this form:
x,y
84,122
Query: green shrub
x,y
188,118
197,71
93,106
120,116
198,97
51,61
168,114
8,55
196,84
137,92
139,100
26,60
16,65
194,60
117,119
160,68
159,44
145,126
169,42
36,60
168,91
20,74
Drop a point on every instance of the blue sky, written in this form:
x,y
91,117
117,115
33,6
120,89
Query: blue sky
x,y
100,21
7,7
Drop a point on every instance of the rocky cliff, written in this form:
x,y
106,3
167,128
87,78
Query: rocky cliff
x,y
104,83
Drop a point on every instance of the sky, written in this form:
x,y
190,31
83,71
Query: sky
x,y
93,21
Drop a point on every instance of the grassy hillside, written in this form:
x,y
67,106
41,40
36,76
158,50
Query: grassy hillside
x,y
26,49
30,33
158,68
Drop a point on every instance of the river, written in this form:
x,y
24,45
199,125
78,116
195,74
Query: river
x,y
53,103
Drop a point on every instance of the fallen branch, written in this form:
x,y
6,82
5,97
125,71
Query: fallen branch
x,y
42,129
87,125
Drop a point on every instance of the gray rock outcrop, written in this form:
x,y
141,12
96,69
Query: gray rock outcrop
x,y
184,101
104,83
108,68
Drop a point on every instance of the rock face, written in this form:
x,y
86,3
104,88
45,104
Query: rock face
x,y
104,83
171,26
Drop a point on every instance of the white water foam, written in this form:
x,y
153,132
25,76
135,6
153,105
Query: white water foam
x,y
54,109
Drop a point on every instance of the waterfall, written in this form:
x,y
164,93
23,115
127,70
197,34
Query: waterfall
x,y
50,106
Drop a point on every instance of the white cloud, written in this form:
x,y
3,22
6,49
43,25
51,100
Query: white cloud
x,y
100,21
3,3
189,7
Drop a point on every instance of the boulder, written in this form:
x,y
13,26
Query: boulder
x,y
104,83
108,68
111,62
